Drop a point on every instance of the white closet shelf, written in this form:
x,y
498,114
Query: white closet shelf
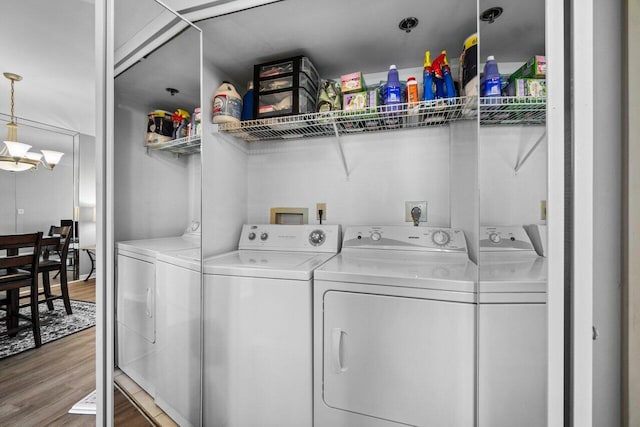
x,y
511,110
186,145
336,123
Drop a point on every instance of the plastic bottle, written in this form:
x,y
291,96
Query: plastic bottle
x,y
227,104
247,103
448,78
427,78
393,89
196,122
490,84
392,95
412,92
438,77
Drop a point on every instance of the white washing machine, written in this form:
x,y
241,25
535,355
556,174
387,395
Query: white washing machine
x,y
512,340
136,304
177,346
394,330
258,326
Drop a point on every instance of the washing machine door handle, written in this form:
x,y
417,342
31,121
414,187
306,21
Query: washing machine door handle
x,y
149,303
336,350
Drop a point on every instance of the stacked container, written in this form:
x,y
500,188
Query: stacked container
x,y
285,87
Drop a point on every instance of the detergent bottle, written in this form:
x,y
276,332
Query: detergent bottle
x,y
490,84
450,89
427,78
438,77
392,96
227,104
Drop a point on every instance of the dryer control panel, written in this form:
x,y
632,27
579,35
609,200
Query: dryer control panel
x,y
303,238
438,239
504,238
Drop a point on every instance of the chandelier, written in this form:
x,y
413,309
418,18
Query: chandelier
x,y
15,156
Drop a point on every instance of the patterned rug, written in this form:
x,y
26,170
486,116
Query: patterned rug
x,y
54,325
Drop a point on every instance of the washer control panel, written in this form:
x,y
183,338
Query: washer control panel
x,y
303,238
439,239
504,238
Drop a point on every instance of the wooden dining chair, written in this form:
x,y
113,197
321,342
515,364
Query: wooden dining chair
x,y
13,277
58,243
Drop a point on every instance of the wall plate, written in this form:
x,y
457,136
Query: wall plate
x,y
408,206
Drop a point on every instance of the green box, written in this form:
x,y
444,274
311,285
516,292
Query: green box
x,y
535,68
527,87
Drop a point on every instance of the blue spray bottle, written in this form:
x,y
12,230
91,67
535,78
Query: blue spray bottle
x,y
448,78
438,76
427,78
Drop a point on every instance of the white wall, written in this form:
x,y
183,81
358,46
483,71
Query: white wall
x,y
151,195
8,205
508,197
385,170
86,198
224,179
463,185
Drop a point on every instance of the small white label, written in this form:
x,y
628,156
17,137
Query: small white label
x,y
20,211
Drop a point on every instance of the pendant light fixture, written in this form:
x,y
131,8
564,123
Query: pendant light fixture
x,y
15,156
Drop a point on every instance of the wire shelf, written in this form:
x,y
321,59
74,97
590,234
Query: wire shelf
x,y
334,123
186,145
511,110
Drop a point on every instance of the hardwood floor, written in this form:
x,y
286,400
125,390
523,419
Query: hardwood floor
x,y
39,386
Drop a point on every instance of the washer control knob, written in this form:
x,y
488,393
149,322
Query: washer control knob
x,y
494,237
252,236
375,236
317,237
440,238
264,236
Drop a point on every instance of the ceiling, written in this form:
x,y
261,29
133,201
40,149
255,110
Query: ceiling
x,y
52,43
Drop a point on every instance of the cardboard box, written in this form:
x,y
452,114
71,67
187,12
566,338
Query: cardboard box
x,y
360,101
353,82
527,87
536,68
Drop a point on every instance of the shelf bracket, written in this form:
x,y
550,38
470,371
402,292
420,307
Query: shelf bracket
x,y
339,143
522,161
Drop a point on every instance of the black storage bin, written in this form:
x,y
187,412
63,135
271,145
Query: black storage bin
x,y
284,87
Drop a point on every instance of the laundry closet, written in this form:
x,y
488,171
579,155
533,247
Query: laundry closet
x,y
480,164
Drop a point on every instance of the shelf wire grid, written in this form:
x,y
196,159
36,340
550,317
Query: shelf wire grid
x,y
186,145
383,118
511,110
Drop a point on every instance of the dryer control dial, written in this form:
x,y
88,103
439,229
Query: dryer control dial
x,y
264,236
440,237
317,237
375,236
495,237
252,236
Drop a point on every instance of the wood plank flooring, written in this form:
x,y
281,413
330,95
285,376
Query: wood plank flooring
x,y
39,386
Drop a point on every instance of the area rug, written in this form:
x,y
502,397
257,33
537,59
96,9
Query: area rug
x,y
54,325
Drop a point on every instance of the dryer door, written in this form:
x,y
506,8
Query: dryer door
x,y
136,296
405,360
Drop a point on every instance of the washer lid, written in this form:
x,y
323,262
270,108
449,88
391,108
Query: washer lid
x,y
266,264
151,247
512,272
186,258
443,271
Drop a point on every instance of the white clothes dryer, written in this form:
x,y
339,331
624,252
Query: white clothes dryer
x,y
178,343
394,330
512,340
136,302
258,326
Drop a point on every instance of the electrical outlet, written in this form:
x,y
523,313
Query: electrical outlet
x,y
408,206
323,207
543,210
20,211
